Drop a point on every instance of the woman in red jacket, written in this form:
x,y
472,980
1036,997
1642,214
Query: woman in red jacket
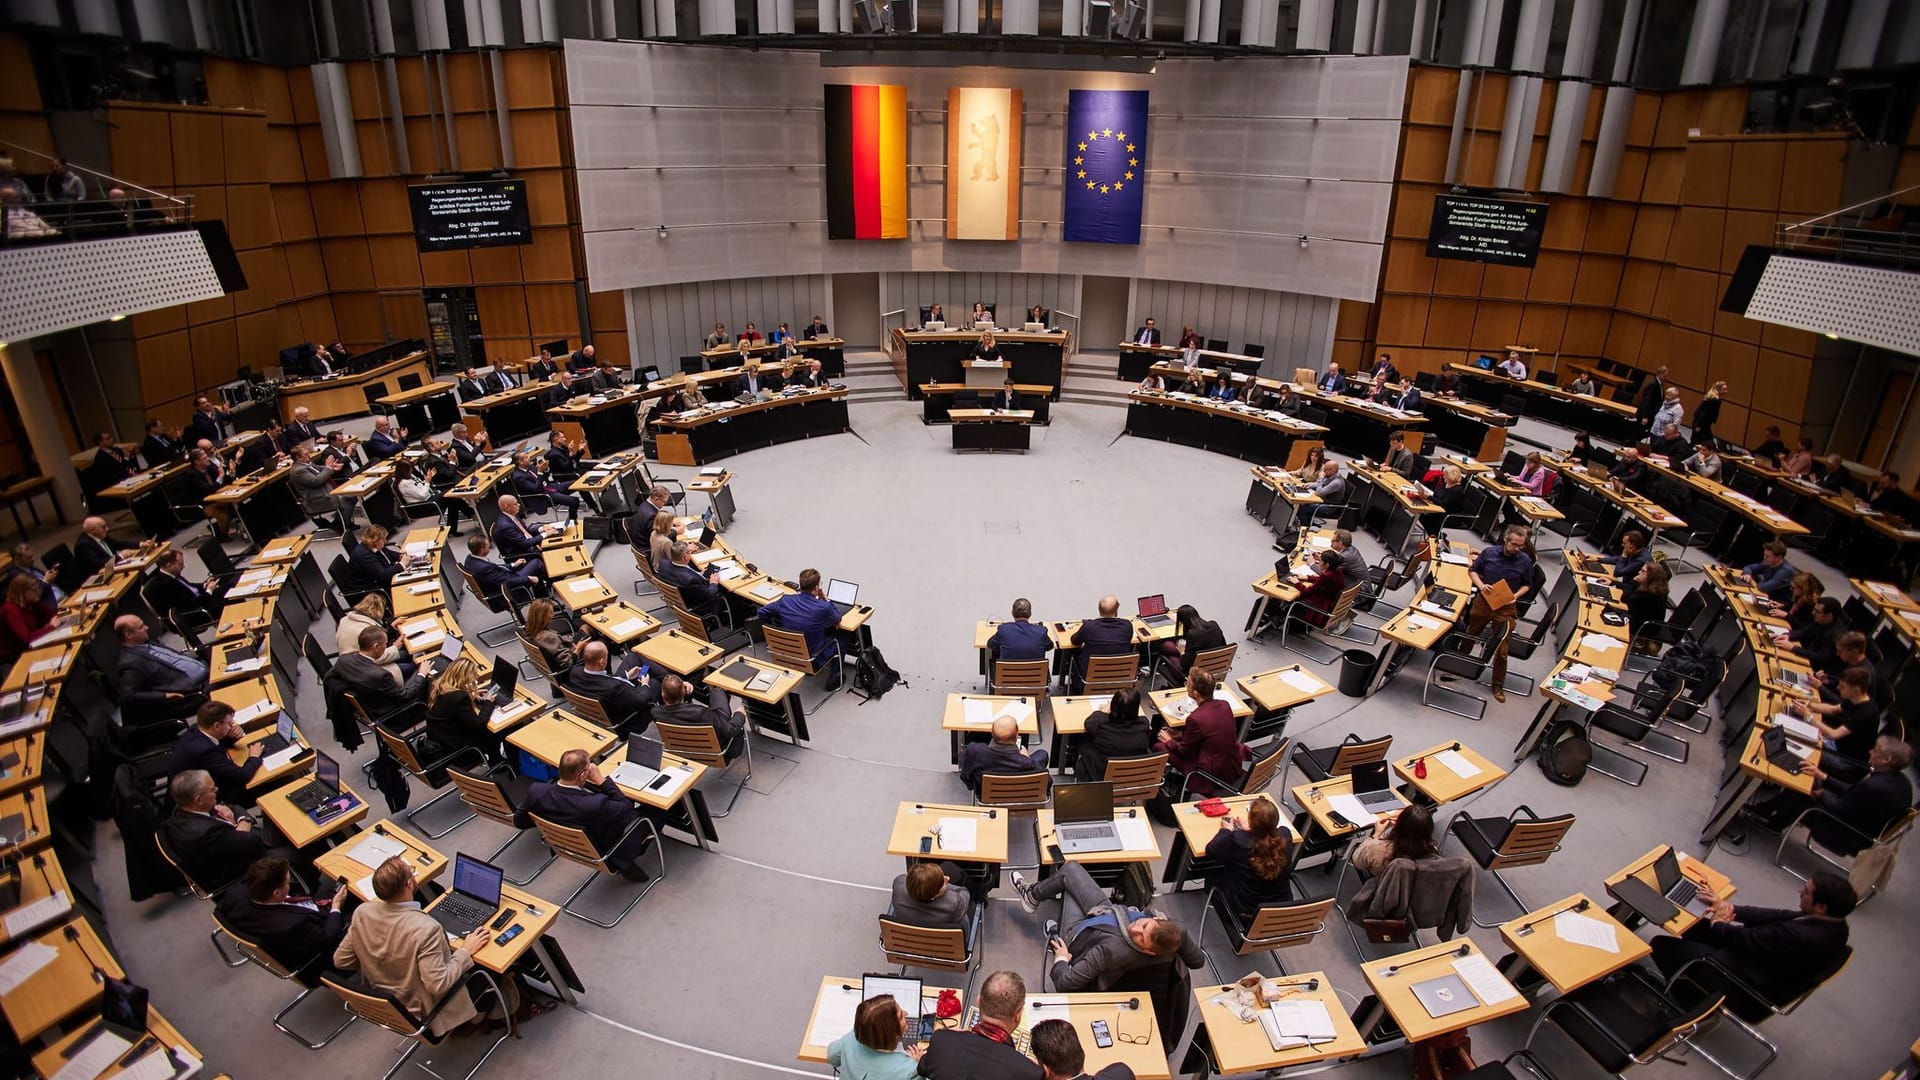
x,y
1210,740
1321,591
23,618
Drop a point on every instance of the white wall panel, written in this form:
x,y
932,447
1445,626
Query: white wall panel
x,y
1012,294
1296,330
1244,156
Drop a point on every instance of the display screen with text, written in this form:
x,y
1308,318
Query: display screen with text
x,y
1501,231
470,214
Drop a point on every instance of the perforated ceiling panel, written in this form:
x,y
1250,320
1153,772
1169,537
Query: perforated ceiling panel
x,y
1860,303
49,287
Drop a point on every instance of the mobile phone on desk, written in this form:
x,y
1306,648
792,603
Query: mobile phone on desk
x,y
1101,1036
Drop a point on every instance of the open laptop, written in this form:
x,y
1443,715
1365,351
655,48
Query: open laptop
x,y
502,680
1371,788
906,994
451,647
474,899
1777,745
1153,610
1445,995
1676,886
1083,818
281,738
843,595
325,785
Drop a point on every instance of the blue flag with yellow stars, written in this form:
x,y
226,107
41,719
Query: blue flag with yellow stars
x,y
1106,165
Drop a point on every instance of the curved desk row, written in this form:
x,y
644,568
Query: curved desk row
x,y
706,435
346,395
1582,412
936,356
1266,438
831,352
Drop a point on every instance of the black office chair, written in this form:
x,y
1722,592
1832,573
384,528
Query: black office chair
x,y
1551,378
374,392
1255,351
693,364
1513,405
409,382
1426,381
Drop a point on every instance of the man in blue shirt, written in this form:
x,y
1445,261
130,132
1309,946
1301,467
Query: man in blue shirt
x,y
1509,563
1334,381
1633,555
1773,574
810,613
1021,639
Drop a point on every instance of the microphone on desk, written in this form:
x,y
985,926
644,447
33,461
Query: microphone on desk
x,y
1395,969
1123,1002
73,935
1309,985
1527,927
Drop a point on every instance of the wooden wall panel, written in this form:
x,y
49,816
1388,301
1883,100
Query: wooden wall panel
x,y
546,196
265,287
1509,282
1450,323
1458,277
1566,226
1755,171
284,165
365,93
306,271
609,310
548,258
1542,326
215,353
218,309
258,335
1403,320
306,108
18,95
531,74
1424,154
536,139
1496,323
1610,227
383,207
1412,211
1693,300
376,159
396,262
1586,332
1598,280
1625,335
425,144
1707,165
336,208
199,154
405,315
1810,177
141,142
478,140
415,98
357,316
1696,238
166,366
1782,391
497,265
1665,170
1407,267
1733,362
349,267
1552,277
153,323
613,346
503,312
467,82
445,268
250,216
293,213
313,155
245,134
552,312
1432,95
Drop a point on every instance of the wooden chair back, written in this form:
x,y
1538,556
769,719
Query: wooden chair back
x,y
1281,926
1260,775
255,955
535,656
670,593
1359,753
695,742
381,1009
1020,677
1529,843
483,797
690,624
569,843
1216,662
401,749
785,647
359,710
1342,612
1897,829
1105,674
918,946
589,709
1136,779
1015,791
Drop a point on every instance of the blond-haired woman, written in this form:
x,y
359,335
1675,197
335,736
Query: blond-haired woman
x,y
457,710
370,611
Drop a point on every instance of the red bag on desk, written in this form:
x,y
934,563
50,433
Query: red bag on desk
x,y
1212,807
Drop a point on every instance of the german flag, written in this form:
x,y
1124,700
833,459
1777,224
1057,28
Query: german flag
x,y
866,162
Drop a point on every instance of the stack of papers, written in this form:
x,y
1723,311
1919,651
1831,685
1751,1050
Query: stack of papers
x,y
1136,833
1486,983
833,1014
24,964
282,757
1301,681
422,590
1585,930
247,665
1350,807
97,1056
630,626
1600,642
1296,1022
255,711
958,834
44,910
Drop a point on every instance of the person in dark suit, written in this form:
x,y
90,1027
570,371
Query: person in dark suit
x,y
565,386
584,799
1006,399
337,456
1383,371
259,454
1652,392
457,710
154,679
754,378
700,591
494,578
469,386
526,480
566,460
94,550
1251,859
679,706
810,376
542,368
815,329
213,844
386,440
204,746
298,932
1108,635
1193,635
582,361
205,421
379,693
1115,731
517,541
175,595
302,429
1399,458
924,896
1407,400
1855,813
467,451
162,445
1056,1046
1447,384
984,1051
373,564
1021,639
1097,941
1334,381
628,701
1003,755
1148,334
1777,952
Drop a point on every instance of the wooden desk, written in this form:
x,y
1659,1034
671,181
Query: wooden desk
x,y
565,561
1443,785
1271,691
65,985
1756,771
1148,1059
426,408
702,436
225,670
1275,496
522,707
953,720
266,777
1706,877
535,916
36,884
1568,965
585,592
29,771
1043,828
243,617
49,1061
1263,436
513,414
145,494
46,664
417,598
1244,1047
1174,705
557,731
1197,830
345,395
339,863
847,989
936,400
987,430
1395,995
1319,807
719,496
620,622
928,356
912,821
678,652
299,828
1555,404
685,796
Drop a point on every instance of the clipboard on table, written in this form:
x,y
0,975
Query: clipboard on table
x,y
1497,594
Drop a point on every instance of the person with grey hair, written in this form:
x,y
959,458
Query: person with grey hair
x,y
1852,814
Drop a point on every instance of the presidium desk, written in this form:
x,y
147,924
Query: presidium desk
x,y
346,395
938,356
700,436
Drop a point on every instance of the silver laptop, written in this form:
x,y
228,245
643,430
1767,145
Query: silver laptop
x,y
1371,788
842,595
1083,818
1445,996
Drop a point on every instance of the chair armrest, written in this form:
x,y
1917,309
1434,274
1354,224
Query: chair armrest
x,y
449,758
1727,978
1836,819
1628,714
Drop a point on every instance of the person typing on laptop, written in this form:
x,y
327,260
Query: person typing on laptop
x,y
401,950
583,798
809,613
1102,940
1776,951
1002,755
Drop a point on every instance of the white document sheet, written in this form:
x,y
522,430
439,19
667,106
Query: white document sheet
x,y
1456,761
1600,642
24,964
1136,833
97,1057
1351,808
1486,983
1301,681
1585,930
959,834
976,713
833,1017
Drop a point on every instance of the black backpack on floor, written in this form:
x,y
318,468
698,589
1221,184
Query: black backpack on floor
x,y
1565,753
872,677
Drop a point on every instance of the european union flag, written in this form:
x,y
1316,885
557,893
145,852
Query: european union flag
x,y
1106,165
